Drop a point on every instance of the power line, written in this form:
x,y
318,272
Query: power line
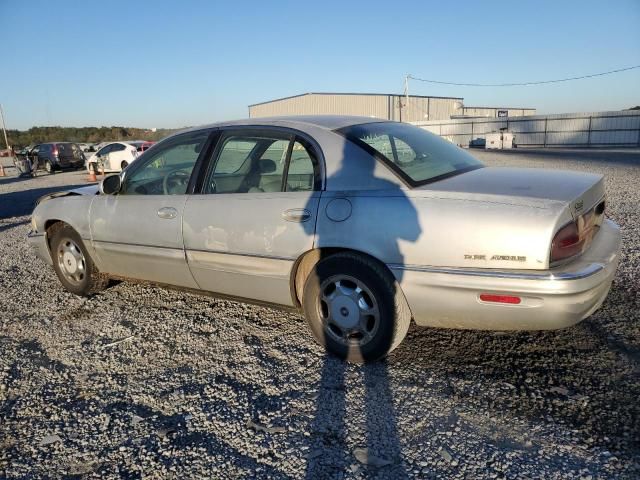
x,y
523,83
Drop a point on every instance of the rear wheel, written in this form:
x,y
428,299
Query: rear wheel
x,y
72,263
355,308
124,164
48,166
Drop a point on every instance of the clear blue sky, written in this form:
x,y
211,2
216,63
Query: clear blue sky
x,y
178,63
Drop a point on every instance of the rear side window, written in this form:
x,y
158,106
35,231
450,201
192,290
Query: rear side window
x,y
249,164
300,176
417,156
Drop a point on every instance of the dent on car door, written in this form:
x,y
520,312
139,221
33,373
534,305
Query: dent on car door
x,y
245,230
138,232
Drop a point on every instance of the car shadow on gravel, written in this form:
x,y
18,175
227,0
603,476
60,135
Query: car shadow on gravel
x,y
585,378
16,204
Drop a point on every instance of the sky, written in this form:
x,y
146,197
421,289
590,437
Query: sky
x,y
169,64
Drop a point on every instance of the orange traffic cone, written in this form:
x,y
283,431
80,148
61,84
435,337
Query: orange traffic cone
x,y
92,175
2,174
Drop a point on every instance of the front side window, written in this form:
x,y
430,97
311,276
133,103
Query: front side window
x,y
167,170
248,164
418,156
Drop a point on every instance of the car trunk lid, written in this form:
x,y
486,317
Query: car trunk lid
x,y
523,186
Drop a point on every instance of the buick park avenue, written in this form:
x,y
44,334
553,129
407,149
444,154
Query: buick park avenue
x,y
361,224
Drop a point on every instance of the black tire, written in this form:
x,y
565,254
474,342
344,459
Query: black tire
x,y
394,315
124,164
49,167
88,280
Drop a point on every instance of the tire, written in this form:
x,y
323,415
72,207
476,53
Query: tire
x,y
48,167
73,265
124,164
343,324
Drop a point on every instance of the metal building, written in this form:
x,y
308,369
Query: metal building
x,y
414,108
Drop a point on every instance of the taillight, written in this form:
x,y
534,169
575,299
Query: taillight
x,y
566,243
134,153
55,151
575,237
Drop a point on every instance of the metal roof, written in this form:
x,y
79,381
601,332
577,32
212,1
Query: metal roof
x,y
352,93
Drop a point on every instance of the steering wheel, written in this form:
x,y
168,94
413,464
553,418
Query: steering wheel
x,y
181,179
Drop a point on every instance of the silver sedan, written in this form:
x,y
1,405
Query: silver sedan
x,y
361,224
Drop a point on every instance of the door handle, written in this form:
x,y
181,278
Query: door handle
x,y
296,215
167,212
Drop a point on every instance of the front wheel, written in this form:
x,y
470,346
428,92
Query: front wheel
x,y
355,308
72,263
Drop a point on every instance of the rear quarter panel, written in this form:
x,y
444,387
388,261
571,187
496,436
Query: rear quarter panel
x,y
400,229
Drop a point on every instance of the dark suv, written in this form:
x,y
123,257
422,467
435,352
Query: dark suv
x,y
56,156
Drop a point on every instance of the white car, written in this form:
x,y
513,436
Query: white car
x,y
114,156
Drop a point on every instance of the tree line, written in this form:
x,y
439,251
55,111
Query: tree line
x,y
22,138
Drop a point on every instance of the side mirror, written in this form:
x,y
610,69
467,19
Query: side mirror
x,y
110,185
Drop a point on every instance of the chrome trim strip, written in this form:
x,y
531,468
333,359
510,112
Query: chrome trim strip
x,y
587,271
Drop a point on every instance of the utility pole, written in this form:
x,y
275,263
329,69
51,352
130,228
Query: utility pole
x,y
406,89
406,96
4,129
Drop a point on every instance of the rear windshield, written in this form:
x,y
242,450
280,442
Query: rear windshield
x,y
415,154
69,150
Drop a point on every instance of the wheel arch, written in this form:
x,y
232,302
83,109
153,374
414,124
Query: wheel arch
x,y
305,263
50,227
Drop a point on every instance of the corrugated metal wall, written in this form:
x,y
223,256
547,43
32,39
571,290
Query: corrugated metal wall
x,y
569,129
367,105
379,106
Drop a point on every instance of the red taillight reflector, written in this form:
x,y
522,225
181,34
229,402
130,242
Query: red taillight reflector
x,y
489,297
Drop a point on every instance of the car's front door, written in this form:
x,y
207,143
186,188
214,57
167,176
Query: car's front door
x,y
102,157
137,233
255,214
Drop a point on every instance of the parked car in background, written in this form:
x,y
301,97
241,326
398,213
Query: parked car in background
x,y
361,224
145,145
84,146
114,156
56,156
25,151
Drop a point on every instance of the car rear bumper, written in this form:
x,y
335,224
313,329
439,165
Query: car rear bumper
x,y
38,243
551,299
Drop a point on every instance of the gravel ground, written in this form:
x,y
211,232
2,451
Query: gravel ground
x,y
143,382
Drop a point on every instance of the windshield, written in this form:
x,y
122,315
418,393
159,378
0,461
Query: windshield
x,y
415,154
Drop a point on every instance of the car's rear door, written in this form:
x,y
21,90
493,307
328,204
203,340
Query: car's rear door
x,y
248,224
138,232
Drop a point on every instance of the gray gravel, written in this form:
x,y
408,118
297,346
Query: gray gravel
x,y
139,381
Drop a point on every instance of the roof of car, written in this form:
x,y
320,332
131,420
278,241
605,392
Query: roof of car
x,y
329,122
